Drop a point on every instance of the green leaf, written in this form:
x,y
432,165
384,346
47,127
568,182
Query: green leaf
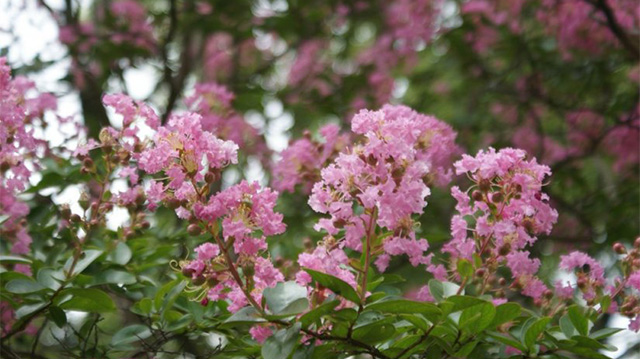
x,y
461,302
505,313
143,307
404,306
245,315
86,300
417,321
578,319
130,334
24,286
85,260
466,349
112,276
50,278
441,290
121,255
465,269
58,316
25,310
532,333
315,314
336,285
288,298
508,340
374,332
567,327
14,259
478,317
282,343
604,333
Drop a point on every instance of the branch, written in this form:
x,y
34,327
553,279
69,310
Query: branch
x,y
616,29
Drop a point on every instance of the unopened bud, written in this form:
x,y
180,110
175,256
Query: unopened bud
x,y
4,166
480,272
65,212
194,229
497,197
145,225
84,201
502,281
88,162
484,185
199,280
548,294
505,249
75,218
209,177
187,272
477,196
619,248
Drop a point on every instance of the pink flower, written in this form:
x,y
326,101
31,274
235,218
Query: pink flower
x,y
207,251
634,280
260,333
579,260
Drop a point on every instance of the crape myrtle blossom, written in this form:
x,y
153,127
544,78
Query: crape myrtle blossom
x,y
20,151
214,103
385,176
504,211
301,162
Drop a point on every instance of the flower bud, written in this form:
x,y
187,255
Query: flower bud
x,y
502,281
75,218
480,272
636,243
88,162
484,185
477,196
548,294
199,280
194,229
187,272
65,212
204,301
212,282
505,249
209,177
5,166
619,248
497,197
84,201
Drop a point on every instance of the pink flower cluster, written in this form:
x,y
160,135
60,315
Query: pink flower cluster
x,y
247,217
213,102
19,153
504,213
301,162
386,177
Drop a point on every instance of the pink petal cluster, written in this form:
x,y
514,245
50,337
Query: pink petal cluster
x,y
582,261
301,162
386,175
213,102
20,107
504,213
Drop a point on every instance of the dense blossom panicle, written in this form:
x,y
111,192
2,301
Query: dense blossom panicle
x,y
20,150
508,210
302,161
386,175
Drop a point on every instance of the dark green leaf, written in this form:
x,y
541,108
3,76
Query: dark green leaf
x,y
337,285
286,298
83,262
579,319
505,313
23,286
532,333
86,300
245,315
282,343
130,334
58,316
315,314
